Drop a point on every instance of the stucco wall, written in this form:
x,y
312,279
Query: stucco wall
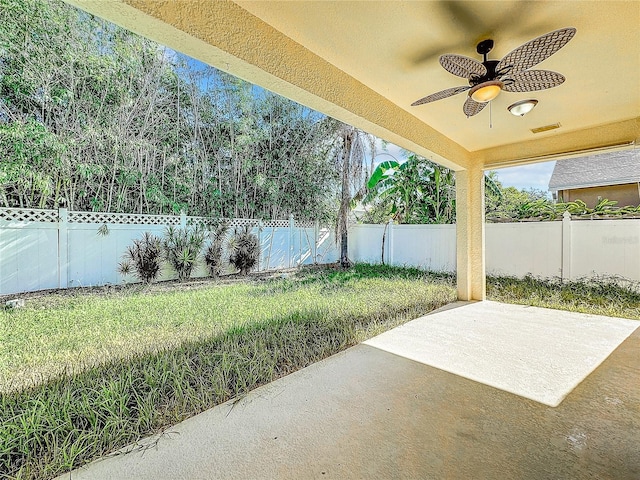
x,y
628,194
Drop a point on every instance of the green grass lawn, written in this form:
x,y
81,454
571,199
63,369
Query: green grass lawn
x,y
67,334
84,375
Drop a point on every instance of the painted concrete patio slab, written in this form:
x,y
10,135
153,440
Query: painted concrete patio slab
x,y
537,353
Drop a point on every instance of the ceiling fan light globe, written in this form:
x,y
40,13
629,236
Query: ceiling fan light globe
x,y
521,108
487,91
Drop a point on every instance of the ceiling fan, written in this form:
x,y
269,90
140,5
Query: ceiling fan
x,y
511,74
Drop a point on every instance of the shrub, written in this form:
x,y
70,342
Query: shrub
x,y
182,249
244,250
213,254
143,258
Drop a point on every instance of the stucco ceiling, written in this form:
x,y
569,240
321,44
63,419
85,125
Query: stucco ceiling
x,y
366,62
393,48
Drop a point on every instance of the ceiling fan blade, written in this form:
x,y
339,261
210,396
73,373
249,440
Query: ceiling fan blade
x,y
462,66
536,50
471,107
531,80
449,92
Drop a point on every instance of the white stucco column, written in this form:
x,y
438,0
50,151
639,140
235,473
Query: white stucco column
x,y
470,234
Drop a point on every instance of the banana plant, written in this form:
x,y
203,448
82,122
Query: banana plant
x,y
417,190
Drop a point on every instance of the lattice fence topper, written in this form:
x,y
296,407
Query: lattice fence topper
x,y
123,218
206,222
28,215
52,216
305,224
277,224
241,222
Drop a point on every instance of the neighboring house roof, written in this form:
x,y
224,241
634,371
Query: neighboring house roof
x,y
614,168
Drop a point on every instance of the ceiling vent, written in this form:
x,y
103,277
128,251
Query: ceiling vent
x,y
546,128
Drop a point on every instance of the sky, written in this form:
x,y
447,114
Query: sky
x,y
534,176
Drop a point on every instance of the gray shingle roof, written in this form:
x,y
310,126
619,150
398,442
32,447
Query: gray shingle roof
x,y
613,168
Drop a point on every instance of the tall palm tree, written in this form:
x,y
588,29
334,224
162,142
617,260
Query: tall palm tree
x,y
352,150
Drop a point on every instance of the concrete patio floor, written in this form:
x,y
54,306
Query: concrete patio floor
x,y
369,413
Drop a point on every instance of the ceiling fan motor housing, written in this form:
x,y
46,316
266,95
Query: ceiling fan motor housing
x,y
491,74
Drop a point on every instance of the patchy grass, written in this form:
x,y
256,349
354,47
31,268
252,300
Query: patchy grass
x,y
68,334
86,375
609,296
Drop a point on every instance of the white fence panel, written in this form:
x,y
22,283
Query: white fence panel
x,y
570,249
201,270
430,247
308,246
518,249
609,247
41,249
275,246
365,244
327,251
28,257
94,258
295,246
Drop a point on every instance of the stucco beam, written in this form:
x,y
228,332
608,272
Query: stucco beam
x,y
618,134
224,35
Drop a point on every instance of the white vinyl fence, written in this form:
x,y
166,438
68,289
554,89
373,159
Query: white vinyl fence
x,y
569,248
430,247
42,249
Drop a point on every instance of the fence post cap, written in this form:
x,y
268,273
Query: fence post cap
x,y
566,215
63,214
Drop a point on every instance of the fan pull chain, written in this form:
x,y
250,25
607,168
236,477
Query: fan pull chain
x,y
490,116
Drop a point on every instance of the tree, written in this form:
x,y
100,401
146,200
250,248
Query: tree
x,y
511,203
143,258
97,118
102,94
182,249
416,191
351,151
244,250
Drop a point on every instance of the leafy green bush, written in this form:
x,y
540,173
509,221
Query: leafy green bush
x,y
244,250
143,258
182,249
213,253
544,209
